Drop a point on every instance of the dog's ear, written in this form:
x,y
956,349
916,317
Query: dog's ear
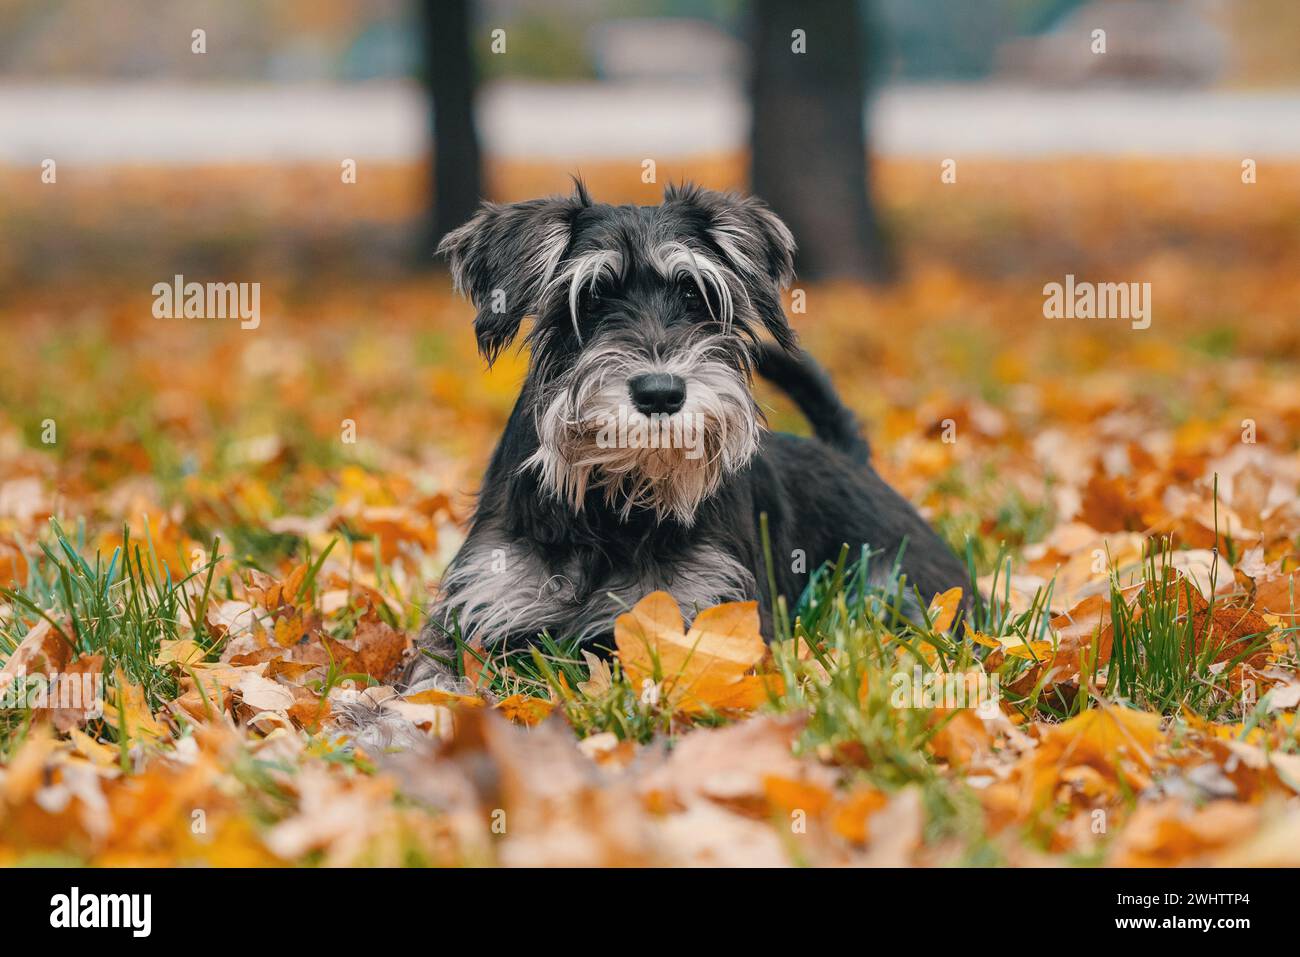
x,y
503,259
757,245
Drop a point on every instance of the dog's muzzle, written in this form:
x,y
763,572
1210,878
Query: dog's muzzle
x,y
649,431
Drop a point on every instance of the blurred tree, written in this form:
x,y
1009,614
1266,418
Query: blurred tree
x,y
809,150
449,64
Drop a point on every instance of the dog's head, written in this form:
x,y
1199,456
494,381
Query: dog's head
x,y
640,350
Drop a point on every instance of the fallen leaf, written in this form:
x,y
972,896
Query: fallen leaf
x,y
262,694
944,608
128,702
599,680
43,651
701,668
525,709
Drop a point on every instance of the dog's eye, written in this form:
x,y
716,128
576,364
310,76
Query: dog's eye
x,y
690,291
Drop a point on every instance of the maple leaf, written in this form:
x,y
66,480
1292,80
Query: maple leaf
x,y
129,702
705,668
374,649
1116,742
599,679
525,709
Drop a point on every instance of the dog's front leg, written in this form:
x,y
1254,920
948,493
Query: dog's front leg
x,y
434,661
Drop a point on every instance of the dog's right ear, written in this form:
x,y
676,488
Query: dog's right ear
x,y
503,260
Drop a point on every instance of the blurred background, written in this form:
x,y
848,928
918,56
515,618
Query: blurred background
x,y
481,83
939,161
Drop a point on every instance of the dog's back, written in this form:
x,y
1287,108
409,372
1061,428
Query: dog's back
x,y
803,380
866,509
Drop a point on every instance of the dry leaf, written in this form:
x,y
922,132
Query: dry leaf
x,y
701,669
599,680
944,608
128,701
525,709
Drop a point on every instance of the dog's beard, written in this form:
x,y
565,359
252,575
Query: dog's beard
x,y
591,436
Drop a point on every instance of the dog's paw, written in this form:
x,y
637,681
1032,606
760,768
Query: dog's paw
x,y
425,674
362,716
370,720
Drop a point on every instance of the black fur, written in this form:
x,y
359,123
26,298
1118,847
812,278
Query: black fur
x,y
799,377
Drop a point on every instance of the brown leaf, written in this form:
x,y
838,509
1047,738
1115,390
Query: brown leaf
x,y
374,649
80,686
42,651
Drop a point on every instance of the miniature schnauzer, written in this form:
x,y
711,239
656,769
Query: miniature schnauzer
x,y
636,458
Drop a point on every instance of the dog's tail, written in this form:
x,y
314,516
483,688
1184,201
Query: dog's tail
x,y
799,377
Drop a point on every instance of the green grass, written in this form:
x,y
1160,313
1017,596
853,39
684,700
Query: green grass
x,y
1162,658
994,515
123,607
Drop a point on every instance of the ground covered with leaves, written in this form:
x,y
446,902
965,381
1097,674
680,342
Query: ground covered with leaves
x,y
235,532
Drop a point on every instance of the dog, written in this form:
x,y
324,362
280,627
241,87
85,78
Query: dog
x,y
636,458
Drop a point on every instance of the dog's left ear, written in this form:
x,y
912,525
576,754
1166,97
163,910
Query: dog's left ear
x,y
758,247
503,258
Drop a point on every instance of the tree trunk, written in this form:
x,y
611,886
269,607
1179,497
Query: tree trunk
x,y
809,150
457,183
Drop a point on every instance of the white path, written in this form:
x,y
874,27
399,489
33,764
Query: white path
x,y
197,124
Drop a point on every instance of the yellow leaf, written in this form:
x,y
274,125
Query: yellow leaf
x,y
129,699
750,692
638,634
434,696
1012,645
289,630
525,709
702,669
943,609
1117,742
181,651
1107,733
95,751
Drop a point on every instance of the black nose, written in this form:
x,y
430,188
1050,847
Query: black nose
x,y
657,392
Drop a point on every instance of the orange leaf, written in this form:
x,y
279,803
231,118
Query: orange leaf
x,y
944,608
129,700
525,709
703,669
449,698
